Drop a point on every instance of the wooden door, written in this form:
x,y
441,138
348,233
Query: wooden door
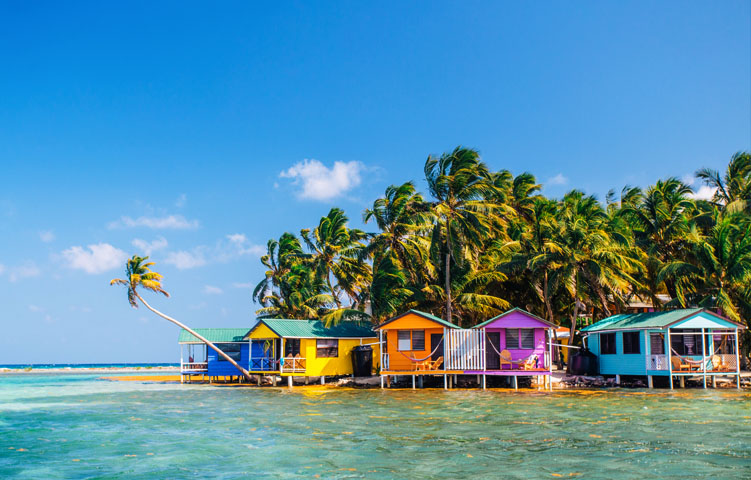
x,y
435,338
492,343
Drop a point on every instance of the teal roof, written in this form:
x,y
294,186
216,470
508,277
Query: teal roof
x,y
214,335
644,320
429,316
516,309
289,328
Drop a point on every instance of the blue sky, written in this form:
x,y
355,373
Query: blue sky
x,y
196,132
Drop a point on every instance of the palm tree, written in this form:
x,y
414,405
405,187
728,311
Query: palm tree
x,y
280,256
717,273
138,273
336,256
733,190
460,184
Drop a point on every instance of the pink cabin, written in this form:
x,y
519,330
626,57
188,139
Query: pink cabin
x,y
517,343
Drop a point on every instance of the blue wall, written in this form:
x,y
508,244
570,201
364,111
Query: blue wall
x,y
223,367
620,363
264,364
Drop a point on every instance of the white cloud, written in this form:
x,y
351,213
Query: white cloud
x,y
212,290
320,182
688,179
47,236
2,268
559,179
185,260
93,259
26,270
171,222
242,285
230,248
148,247
705,192
181,200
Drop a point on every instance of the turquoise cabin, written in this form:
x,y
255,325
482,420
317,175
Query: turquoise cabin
x,y
674,343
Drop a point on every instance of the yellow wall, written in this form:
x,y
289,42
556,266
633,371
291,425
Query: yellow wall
x,y
341,365
262,331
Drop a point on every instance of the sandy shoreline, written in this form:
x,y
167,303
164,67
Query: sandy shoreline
x,y
72,370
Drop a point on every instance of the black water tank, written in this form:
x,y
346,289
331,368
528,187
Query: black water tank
x,y
583,362
362,360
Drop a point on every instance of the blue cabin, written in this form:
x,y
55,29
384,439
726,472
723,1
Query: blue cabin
x,y
675,343
196,359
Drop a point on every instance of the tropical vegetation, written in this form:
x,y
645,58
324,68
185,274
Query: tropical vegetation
x,y
480,241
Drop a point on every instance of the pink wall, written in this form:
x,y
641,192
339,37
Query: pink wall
x,y
518,319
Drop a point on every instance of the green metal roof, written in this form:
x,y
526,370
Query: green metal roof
x,y
516,309
289,328
214,335
429,316
642,320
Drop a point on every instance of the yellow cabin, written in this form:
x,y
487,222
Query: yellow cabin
x,y
307,348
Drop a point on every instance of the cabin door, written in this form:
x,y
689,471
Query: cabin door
x,y
492,343
436,338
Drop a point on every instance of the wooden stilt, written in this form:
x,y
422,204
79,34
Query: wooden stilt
x,y
445,382
617,379
289,381
516,383
683,381
323,380
649,381
420,380
307,380
413,381
484,382
273,380
259,380
714,381
671,380
451,381
381,381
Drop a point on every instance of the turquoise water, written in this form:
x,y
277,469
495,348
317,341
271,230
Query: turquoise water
x,y
77,426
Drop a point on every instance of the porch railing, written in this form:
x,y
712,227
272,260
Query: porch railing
x,y
194,367
293,365
263,363
464,349
657,362
385,361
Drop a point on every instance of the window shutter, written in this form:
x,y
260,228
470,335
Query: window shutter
x,y
528,338
512,338
418,340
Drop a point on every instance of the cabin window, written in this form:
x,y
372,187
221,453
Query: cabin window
x,y
512,338
292,347
527,336
418,339
656,344
327,348
686,342
410,340
233,351
631,342
607,344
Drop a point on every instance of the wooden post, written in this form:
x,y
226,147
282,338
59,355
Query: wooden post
x,y
617,379
420,380
683,381
381,381
289,381
445,382
307,380
737,360
323,380
649,381
714,381
670,358
704,358
516,383
413,381
484,382
273,380
260,376
451,381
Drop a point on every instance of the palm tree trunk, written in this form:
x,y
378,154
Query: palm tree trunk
x,y
549,311
198,336
575,316
448,275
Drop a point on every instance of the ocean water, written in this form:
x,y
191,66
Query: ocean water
x,y
79,426
47,366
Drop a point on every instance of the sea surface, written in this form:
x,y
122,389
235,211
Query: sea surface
x,y
48,366
80,426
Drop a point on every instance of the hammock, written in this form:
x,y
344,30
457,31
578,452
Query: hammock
x,y
416,360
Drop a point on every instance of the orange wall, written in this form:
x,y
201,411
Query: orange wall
x,y
397,361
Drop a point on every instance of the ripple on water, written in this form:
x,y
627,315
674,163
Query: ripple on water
x,y
78,427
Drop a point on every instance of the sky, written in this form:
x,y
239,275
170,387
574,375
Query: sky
x,y
195,132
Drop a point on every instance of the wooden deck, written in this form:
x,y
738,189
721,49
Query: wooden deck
x,y
422,372
508,373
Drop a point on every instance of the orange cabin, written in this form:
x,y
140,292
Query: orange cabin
x,y
413,342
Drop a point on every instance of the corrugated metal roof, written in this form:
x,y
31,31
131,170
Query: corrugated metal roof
x,y
290,328
422,314
214,335
517,309
642,320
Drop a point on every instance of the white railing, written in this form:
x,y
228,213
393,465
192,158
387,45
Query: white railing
x,y
464,349
657,362
194,367
293,365
385,361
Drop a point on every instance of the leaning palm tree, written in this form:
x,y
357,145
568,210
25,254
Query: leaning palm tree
x,y
733,189
138,273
